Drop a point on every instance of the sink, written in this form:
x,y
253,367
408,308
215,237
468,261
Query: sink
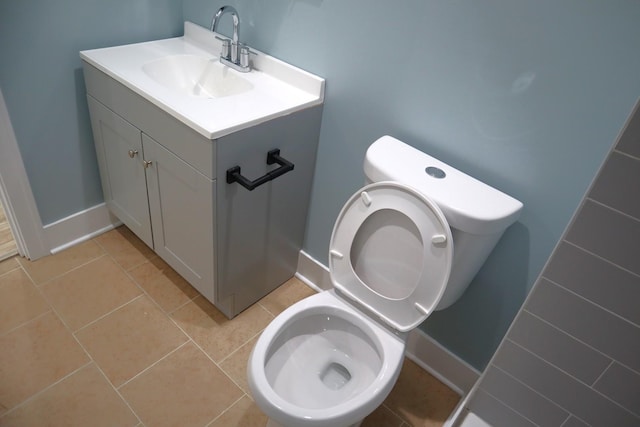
x,y
197,76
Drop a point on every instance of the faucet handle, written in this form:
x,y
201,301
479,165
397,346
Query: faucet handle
x,y
225,52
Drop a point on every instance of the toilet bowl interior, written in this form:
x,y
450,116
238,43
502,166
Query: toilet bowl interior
x,y
321,360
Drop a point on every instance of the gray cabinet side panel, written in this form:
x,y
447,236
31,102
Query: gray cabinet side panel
x,y
260,232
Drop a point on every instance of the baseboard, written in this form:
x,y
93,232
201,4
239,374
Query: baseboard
x,y
79,227
421,348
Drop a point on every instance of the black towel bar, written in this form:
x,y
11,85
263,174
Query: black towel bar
x,y
273,156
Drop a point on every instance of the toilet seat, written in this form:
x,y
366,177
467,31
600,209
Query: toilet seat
x,y
391,251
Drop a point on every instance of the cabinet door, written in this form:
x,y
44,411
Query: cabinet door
x,y
181,201
120,158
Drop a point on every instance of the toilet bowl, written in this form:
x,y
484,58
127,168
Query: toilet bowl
x,y
332,358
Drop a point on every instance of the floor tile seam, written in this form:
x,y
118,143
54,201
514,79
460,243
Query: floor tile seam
x,y
101,317
399,416
225,410
126,402
165,356
11,253
269,311
12,270
4,334
228,356
111,254
217,364
144,291
50,279
40,392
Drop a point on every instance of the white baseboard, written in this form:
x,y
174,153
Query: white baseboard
x,y
421,348
79,227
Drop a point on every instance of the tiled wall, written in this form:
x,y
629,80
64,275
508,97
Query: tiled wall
x,y
572,356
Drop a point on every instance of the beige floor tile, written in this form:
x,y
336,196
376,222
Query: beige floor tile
x,y
184,389
244,413
382,417
125,247
88,292
51,266
419,398
8,265
166,287
20,301
290,292
236,365
83,399
216,334
130,339
34,356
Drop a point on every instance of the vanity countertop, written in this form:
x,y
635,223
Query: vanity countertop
x,y
278,88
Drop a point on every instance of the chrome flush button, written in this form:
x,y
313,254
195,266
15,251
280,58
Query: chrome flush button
x,y
435,172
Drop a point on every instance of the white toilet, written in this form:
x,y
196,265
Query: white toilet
x,y
403,246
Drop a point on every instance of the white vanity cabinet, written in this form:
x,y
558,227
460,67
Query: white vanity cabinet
x,y
167,183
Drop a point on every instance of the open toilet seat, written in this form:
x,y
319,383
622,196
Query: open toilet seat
x,y
391,251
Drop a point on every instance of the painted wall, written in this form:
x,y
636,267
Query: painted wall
x,y
525,96
571,357
41,79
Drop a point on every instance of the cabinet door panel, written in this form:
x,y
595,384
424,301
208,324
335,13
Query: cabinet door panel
x,y
120,156
181,202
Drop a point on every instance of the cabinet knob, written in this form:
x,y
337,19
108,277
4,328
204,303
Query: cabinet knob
x,y
147,163
132,153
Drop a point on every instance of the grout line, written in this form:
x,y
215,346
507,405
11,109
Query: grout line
x,y
600,257
604,371
96,320
582,298
626,154
516,411
39,392
566,333
62,274
28,321
572,377
153,364
604,205
225,410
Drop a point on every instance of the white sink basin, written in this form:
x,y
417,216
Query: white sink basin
x,y
184,77
196,76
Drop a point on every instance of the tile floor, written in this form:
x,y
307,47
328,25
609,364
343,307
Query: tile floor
x,y
106,334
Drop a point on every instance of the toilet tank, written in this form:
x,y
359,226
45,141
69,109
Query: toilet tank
x,y
477,213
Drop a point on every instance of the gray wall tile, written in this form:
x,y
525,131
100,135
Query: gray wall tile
x,y
596,280
615,184
586,322
608,233
522,399
558,348
622,385
574,422
630,139
567,392
495,412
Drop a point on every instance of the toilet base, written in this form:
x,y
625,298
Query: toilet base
x,y
272,423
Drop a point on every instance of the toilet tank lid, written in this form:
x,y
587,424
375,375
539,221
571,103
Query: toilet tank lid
x,y
468,204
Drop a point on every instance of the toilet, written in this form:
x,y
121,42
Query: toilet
x,y
406,244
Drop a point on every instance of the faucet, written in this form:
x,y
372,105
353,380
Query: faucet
x,y
234,54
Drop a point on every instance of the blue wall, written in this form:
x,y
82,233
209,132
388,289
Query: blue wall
x,y
42,83
527,96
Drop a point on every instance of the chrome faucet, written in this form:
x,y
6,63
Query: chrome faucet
x,y
234,54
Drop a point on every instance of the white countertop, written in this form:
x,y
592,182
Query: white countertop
x,y
278,88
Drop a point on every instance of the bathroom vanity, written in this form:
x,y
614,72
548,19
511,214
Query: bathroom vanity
x,y
168,147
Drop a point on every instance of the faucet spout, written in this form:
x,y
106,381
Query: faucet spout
x,y
236,21
233,53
